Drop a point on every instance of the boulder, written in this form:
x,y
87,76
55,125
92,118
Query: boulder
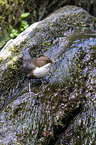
x,y
62,110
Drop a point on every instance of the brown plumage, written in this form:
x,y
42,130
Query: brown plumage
x,y
35,67
39,62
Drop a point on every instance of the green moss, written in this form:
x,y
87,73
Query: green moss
x,y
24,15
14,33
1,59
24,25
2,18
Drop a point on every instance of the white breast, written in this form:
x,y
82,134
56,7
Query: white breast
x,y
41,72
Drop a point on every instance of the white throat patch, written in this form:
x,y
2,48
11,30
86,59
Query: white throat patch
x,y
41,72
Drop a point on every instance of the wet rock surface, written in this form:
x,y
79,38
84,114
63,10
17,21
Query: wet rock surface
x,y
62,111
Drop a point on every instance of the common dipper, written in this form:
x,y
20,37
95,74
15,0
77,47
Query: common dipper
x,y
35,67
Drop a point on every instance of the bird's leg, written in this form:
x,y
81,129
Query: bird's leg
x,y
41,83
43,86
29,87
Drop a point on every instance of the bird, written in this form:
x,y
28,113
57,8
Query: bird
x,y
35,68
